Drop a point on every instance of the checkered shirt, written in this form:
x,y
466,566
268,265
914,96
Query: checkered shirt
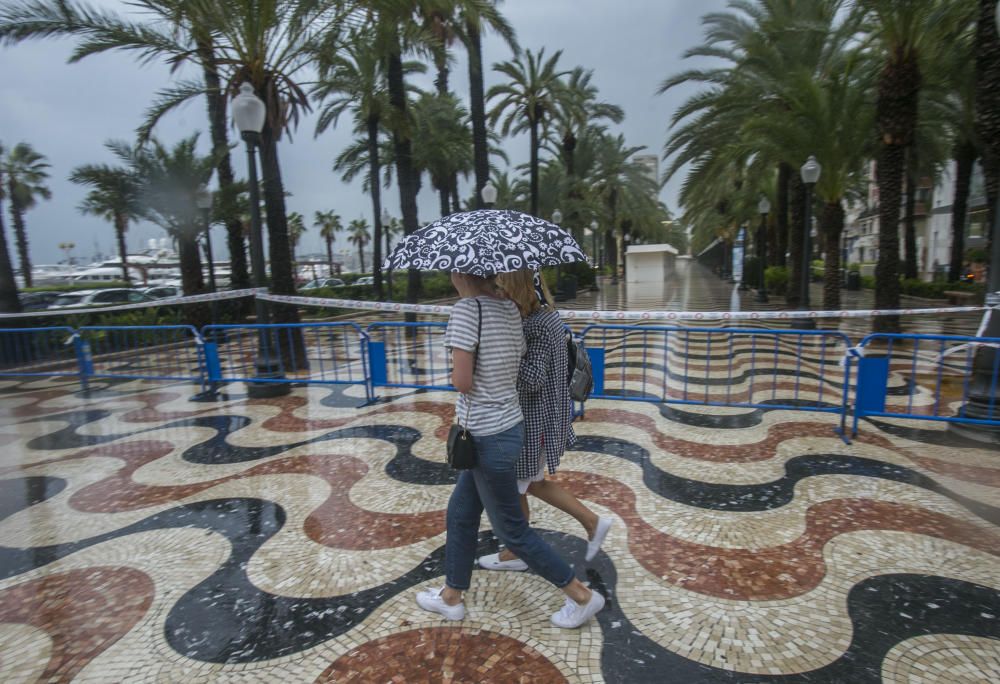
x,y
543,390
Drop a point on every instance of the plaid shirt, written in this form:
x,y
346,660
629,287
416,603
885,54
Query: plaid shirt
x,y
543,390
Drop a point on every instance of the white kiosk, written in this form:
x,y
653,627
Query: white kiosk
x,y
649,263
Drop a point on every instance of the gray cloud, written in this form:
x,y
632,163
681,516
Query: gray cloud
x,y
67,111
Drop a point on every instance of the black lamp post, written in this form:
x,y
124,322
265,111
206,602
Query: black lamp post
x,y
489,194
203,199
249,112
763,208
386,219
810,175
557,218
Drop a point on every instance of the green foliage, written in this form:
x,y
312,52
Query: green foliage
x,y
776,278
868,282
936,290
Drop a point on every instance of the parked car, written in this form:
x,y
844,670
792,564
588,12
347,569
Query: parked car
x,y
99,298
321,283
365,280
37,301
163,291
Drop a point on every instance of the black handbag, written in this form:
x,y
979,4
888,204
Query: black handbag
x,y
461,445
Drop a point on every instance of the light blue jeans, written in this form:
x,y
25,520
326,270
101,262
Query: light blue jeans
x,y
492,485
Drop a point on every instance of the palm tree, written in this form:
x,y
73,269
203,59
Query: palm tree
x,y
296,228
329,225
26,171
987,51
9,302
114,196
360,237
902,30
442,144
526,101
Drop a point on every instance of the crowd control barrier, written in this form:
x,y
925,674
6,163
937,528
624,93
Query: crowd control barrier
x,y
310,353
143,352
41,352
410,355
802,370
946,378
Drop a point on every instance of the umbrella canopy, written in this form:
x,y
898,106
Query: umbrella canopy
x,y
485,242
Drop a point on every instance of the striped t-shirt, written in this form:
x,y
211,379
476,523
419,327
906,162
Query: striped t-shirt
x,y
494,406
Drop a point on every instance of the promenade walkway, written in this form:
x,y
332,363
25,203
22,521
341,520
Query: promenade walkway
x,y
147,537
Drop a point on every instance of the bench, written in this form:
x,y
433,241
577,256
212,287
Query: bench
x,y
961,297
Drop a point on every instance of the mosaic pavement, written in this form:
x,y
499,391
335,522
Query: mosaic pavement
x,y
148,537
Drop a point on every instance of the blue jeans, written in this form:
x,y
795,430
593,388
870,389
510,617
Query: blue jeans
x,y
492,485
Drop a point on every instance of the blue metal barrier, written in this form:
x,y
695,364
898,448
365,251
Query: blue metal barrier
x,y
410,355
309,353
924,377
41,352
802,370
143,352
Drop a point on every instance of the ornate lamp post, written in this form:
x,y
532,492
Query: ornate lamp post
x,y
557,218
593,248
810,172
249,112
203,200
489,194
763,208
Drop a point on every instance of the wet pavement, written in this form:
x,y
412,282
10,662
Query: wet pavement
x,y
148,537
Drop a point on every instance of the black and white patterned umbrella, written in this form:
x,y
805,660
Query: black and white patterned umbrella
x,y
485,242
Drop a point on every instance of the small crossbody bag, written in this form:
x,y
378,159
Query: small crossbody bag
x,y
461,446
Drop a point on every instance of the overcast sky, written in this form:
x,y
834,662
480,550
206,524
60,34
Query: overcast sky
x,y
66,111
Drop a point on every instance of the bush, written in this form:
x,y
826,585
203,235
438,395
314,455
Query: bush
x,y
868,282
776,279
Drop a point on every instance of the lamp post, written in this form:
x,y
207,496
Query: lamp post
x,y
810,175
489,194
249,112
626,239
557,218
203,200
386,219
763,208
593,248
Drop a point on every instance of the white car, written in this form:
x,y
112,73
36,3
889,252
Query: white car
x,y
108,297
163,292
365,280
321,283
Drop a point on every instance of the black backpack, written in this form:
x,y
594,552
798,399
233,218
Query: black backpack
x,y
581,377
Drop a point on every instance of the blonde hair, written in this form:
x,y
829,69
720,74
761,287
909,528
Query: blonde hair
x,y
519,286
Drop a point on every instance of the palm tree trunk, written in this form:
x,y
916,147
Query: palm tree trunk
x,y
279,248
121,225
780,245
192,281
404,162
456,204
533,166
20,235
9,302
965,159
987,51
216,100
375,171
477,112
329,255
361,256
910,221
796,218
832,221
896,112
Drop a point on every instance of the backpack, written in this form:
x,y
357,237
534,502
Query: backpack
x,y
581,377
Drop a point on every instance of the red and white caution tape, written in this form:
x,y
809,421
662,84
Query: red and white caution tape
x,y
191,299
390,307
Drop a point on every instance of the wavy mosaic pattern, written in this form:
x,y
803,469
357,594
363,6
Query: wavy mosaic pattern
x,y
143,534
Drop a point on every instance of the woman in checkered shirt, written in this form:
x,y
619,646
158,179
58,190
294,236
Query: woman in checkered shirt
x,y
543,390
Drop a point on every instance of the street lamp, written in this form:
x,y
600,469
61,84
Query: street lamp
x,y
489,194
203,200
386,220
557,218
763,208
593,248
810,175
249,112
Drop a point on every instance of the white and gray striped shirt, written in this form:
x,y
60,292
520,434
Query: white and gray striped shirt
x,y
492,402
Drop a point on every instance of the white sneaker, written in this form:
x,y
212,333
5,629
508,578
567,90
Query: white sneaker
x,y
493,562
430,600
600,532
573,615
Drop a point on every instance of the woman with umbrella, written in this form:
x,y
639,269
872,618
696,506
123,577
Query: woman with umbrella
x,y
487,342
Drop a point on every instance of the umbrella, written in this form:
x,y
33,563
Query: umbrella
x,y
485,242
